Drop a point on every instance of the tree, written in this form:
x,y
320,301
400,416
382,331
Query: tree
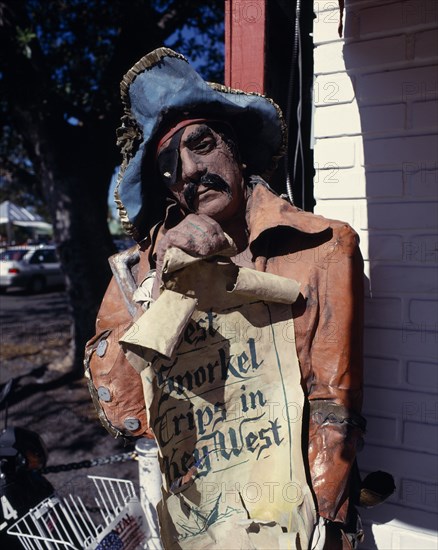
x,y
60,70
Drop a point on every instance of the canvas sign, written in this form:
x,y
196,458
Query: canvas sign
x,y
222,389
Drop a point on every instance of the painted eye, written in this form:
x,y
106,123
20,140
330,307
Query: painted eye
x,y
205,146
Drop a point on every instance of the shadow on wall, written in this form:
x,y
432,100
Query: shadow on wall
x,y
390,60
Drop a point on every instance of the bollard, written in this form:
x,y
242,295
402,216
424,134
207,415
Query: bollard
x,y
150,487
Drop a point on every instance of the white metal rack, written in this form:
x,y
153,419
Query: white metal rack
x,y
117,523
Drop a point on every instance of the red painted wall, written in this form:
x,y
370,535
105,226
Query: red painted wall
x,y
245,39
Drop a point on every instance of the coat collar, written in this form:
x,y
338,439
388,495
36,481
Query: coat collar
x,y
265,211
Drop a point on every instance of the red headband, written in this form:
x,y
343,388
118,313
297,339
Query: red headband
x,y
187,122
181,124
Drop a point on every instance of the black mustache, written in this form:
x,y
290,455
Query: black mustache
x,y
211,181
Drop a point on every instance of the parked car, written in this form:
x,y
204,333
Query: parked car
x,y
31,267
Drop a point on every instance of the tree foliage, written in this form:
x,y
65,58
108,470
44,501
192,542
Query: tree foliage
x,y
60,69
76,52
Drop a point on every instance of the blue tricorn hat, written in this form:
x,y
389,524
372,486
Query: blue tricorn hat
x,y
162,89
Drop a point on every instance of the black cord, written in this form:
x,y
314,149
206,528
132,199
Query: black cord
x,y
294,57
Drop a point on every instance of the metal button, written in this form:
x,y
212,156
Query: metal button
x,y
104,394
132,424
101,348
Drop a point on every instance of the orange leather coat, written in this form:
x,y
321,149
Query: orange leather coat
x,y
323,255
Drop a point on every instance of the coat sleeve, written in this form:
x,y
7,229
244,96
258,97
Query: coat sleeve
x,y
115,386
335,394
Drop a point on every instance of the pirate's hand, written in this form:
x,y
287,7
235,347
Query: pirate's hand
x,y
197,235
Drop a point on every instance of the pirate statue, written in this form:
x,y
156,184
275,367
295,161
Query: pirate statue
x,y
232,332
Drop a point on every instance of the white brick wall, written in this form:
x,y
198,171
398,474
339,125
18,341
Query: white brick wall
x,y
376,155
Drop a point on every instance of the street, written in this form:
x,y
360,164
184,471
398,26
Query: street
x,y
33,329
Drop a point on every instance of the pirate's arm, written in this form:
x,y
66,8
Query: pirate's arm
x,y
115,386
336,426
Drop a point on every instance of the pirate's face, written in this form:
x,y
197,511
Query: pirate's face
x,y
201,172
